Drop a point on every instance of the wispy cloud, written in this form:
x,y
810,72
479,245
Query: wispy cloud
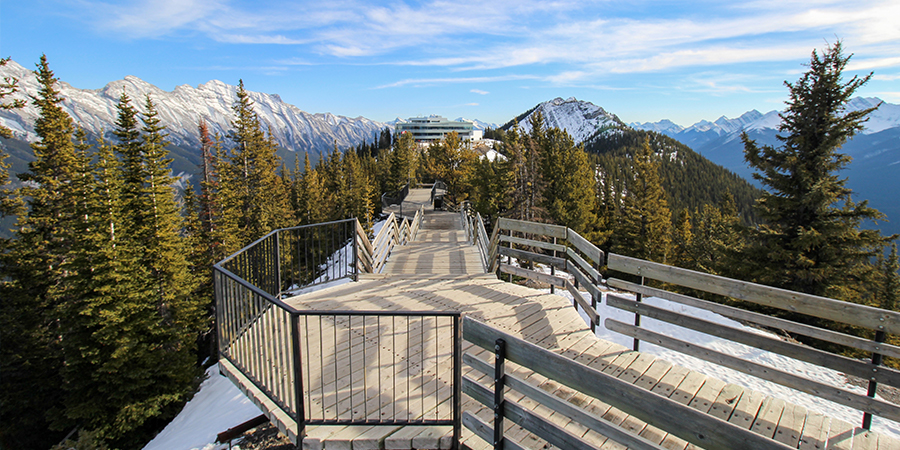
x,y
439,81
467,35
479,92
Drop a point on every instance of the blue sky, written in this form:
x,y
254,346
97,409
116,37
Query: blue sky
x,y
642,60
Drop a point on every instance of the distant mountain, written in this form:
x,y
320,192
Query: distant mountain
x,y
876,150
180,111
582,120
690,179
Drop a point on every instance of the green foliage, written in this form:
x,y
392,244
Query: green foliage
x,y
33,267
689,179
644,226
452,161
810,239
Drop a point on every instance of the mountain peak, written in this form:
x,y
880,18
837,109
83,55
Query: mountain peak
x,y
581,119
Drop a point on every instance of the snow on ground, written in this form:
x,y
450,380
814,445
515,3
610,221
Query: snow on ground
x,y
218,406
806,370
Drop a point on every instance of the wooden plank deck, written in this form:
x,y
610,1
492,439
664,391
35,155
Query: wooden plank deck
x,y
440,271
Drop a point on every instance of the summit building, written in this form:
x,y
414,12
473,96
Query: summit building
x,y
433,128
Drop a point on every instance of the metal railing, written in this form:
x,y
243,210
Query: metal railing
x,y
274,346
380,367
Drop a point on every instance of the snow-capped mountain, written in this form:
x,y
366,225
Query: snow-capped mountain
x,y
479,125
182,109
581,119
875,150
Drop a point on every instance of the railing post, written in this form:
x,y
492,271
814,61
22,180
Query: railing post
x,y
278,286
637,319
873,385
355,250
499,385
457,381
300,413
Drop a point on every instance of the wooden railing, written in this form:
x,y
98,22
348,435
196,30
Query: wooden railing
x,y
395,231
685,422
559,248
879,322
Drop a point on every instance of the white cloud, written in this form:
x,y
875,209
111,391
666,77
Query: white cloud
x,y
438,81
479,92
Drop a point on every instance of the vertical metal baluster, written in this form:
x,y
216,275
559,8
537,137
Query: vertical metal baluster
x,y
457,381
298,376
378,324
637,319
499,384
365,366
873,384
322,364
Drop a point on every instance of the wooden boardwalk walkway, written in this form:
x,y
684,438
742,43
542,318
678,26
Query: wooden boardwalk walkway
x,y
440,271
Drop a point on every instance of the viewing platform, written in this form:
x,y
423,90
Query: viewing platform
x,y
382,354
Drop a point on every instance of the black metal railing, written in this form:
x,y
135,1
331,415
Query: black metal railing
x,y
408,360
380,367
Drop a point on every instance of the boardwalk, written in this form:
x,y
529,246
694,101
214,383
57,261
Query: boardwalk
x,y
440,271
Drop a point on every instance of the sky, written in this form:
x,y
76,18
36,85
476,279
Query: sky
x,y
641,60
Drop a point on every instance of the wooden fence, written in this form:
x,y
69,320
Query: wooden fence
x,y
687,423
560,248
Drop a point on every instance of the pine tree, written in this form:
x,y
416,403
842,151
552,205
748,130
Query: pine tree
x,y
810,240
568,193
644,227
32,269
257,195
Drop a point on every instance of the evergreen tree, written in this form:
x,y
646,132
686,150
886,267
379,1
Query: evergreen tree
x,y
810,240
258,197
568,193
644,226
310,195
32,269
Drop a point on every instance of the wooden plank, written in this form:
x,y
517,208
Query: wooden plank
x,y
822,307
533,243
800,352
790,426
532,422
485,431
769,414
821,390
840,435
561,406
532,227
588,309
654,374
762,319
707,394
583,280
559,263
815,432
584,265
530,274
746,409
724,405
686,422
585,246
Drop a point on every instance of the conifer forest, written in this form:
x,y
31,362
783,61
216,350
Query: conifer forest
x,y
107,311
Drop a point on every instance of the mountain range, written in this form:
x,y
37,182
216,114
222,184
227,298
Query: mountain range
x,y
872,175
875,151
181,111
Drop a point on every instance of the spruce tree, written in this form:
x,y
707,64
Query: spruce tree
x,y
33,269
810,239
568,193
644,226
